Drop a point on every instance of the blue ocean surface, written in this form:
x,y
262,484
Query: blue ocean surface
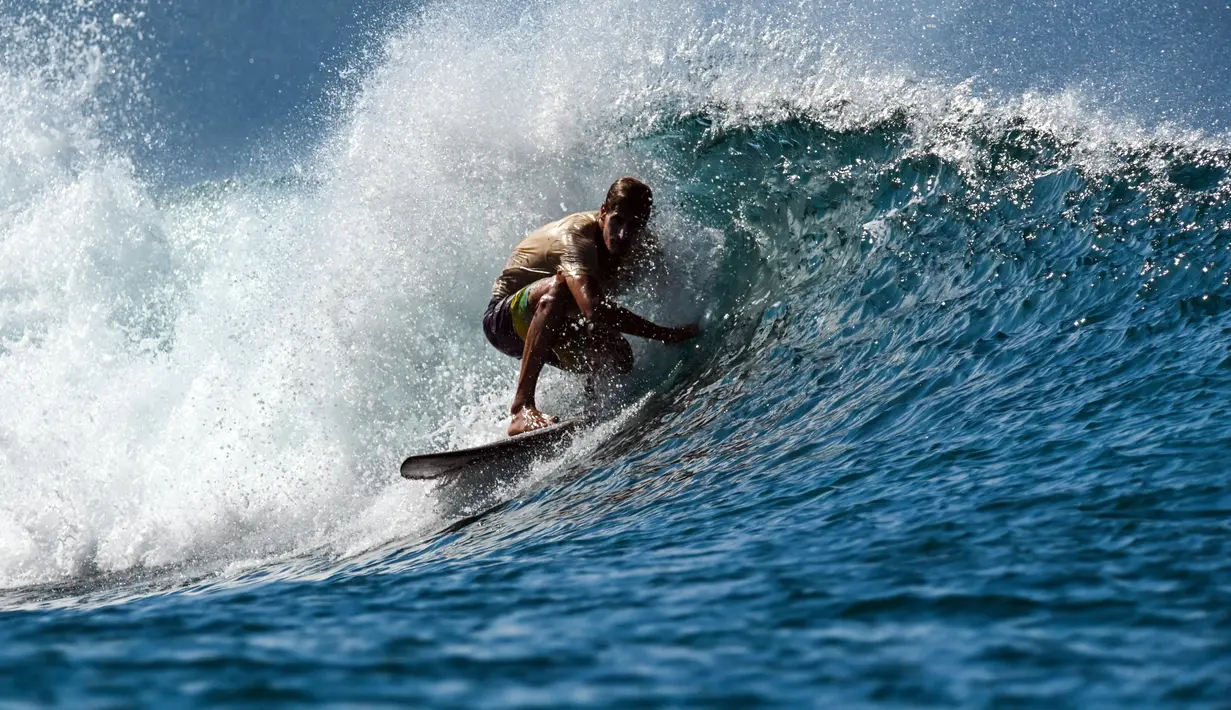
x,y
956,433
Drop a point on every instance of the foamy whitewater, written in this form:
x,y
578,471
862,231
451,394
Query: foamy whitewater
x,y
954,433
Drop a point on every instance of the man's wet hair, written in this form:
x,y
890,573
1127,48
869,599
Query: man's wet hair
x,y
629,191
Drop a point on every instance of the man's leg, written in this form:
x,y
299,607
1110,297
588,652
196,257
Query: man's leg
x,y
606,356
548,299
607,352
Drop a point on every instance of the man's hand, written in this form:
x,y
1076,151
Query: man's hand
x,y
681,333
594,307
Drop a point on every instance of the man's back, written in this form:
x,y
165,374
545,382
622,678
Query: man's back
x,y
570,244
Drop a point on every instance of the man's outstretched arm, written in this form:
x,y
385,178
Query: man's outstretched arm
x,y
593,306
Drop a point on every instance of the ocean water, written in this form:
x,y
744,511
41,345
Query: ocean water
x,y
955,433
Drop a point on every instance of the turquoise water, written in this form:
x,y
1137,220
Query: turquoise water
x,y
953,435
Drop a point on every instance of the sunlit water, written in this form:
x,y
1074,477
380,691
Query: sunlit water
x,y
953,435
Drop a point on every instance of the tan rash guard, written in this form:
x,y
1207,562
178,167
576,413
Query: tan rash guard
x,y
569,244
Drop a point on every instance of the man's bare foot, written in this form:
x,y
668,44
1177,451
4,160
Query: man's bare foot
x,y
529,419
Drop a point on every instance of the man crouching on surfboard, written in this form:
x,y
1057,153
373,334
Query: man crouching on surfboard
x,y
549,307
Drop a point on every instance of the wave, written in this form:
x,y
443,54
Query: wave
x,y
219,377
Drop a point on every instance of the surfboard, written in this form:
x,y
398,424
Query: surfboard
x,y
512,451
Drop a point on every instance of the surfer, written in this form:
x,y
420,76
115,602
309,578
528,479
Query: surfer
x,y
550,306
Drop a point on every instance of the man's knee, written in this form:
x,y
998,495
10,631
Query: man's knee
x,y
554,299
622,357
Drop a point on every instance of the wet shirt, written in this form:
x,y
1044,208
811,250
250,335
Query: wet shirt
x,y
569,244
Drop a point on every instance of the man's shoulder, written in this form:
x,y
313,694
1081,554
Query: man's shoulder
x,y
582,218
583,225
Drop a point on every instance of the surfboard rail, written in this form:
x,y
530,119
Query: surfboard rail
x,y
510,451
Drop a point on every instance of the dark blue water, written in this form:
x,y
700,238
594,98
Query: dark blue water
x,y
954,435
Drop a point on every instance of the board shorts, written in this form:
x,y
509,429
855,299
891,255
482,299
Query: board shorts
x,y
506,322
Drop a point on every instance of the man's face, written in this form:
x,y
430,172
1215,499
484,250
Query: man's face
x,y
622,225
